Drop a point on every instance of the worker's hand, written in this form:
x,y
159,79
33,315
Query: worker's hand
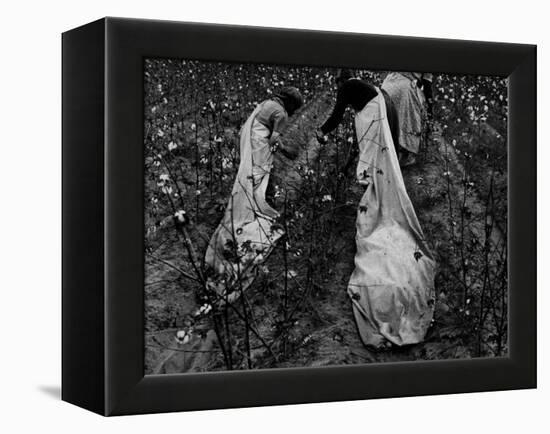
x,y
274,139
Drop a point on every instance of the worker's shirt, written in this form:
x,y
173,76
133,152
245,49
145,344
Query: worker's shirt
x,y
272,115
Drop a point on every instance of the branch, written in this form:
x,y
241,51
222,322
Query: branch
x,y
174,267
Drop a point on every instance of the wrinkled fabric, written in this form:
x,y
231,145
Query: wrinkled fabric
x,y
273,116
410,103
247,233
392,286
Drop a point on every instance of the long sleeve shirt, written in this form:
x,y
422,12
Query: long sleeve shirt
x,y
354,92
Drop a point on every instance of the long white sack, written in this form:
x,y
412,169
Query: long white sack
x,y
392,286
247,233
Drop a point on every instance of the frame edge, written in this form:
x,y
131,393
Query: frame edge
x,y
83,217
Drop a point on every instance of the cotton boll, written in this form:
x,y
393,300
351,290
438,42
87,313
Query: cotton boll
x,y
183,337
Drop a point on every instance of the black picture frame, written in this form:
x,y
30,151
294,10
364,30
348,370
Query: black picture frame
x,y
103,194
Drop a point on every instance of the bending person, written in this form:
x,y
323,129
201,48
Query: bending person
x,y
357,93
247,233
392,285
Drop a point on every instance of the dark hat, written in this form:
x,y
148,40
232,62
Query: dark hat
x,y
291,98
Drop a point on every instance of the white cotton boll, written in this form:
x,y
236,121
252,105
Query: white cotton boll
x,y
181,216
183,337
204,309
227,163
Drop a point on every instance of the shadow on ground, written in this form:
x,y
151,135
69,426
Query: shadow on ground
x,y
51,391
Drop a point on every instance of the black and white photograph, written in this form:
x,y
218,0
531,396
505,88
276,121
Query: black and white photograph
x,y
286,217
299,216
